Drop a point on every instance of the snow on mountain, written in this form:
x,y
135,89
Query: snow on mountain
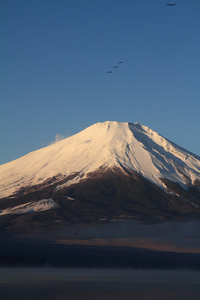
x,y
30,207
108,145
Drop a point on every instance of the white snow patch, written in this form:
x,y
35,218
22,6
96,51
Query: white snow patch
x,y
30,207
70,182
70,198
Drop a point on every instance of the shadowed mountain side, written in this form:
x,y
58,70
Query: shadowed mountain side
x,y
103,197
130,194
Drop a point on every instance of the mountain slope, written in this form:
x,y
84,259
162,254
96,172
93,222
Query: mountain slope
x,y
103,145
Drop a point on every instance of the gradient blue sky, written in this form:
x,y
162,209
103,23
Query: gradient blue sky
x,y
54,59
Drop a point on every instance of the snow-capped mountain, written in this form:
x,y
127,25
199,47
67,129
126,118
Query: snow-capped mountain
x,y
103,145
119,149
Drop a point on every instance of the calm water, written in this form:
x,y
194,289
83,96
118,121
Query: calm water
x,y
94,284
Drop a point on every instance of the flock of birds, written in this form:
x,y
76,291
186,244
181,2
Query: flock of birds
x,y
115,67
120,62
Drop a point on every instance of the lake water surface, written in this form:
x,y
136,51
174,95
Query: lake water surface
x,y
96,284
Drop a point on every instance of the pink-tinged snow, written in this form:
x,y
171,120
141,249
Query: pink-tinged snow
x,y
30,207
108,144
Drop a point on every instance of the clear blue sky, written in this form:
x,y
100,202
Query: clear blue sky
x,y
54,59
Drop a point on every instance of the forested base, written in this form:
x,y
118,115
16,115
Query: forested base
x,y
16,252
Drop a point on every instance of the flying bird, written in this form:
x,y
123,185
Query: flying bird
x,y
115,67
171,4
120,62
108,72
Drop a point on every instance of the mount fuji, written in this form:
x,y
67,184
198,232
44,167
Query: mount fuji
x,y
109,171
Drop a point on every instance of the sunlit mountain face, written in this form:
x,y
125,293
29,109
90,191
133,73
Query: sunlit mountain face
x,y
109,171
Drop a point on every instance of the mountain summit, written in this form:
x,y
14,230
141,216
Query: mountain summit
x,y
126,159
